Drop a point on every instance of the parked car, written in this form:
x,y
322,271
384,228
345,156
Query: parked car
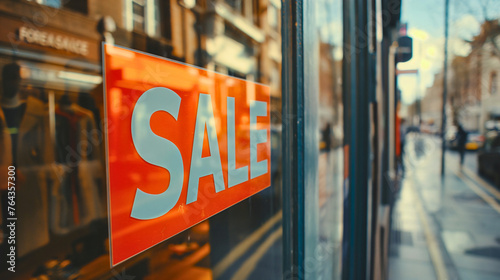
x,y
489,158
474,142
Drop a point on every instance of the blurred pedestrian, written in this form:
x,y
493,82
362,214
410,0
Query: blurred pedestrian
x,y
461,140
326,138
403,130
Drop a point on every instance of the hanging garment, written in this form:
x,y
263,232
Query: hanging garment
x,y
34,158
78,200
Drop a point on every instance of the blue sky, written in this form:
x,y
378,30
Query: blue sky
x,y
425,19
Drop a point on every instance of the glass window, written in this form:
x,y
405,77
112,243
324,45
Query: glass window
x,y
143,16
248,9
272,16
139,15
52,124
323,51
237,5
255,12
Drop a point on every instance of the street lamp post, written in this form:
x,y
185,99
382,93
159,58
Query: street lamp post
x,y
445,93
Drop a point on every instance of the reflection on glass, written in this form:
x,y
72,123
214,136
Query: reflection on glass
x,y
324,75
52,121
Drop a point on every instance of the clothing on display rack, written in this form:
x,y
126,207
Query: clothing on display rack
x,y
77,200
32,156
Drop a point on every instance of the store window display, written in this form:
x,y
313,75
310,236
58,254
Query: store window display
x,y
51,129
26,121
55,146
77,156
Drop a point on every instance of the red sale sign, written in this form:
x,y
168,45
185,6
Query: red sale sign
x,y
183,144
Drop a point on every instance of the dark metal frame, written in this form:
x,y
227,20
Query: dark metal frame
x,y
357,126
356,103
293,139
360,103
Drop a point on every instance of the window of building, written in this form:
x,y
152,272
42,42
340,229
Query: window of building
x,y
255,12
77,6
138,14
248,9
272,17
236,5
166,19
142,16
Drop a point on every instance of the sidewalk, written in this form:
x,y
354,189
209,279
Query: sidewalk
x,y
444,229
409,256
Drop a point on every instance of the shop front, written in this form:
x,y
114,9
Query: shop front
x,y
175,139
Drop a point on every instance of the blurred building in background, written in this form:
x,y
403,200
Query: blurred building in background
x,y
474,83
464,101
473,95
486,47
432,102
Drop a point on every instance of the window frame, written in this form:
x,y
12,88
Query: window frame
x,y
151,19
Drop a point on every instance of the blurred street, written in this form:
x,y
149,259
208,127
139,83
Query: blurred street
x,y
444,229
